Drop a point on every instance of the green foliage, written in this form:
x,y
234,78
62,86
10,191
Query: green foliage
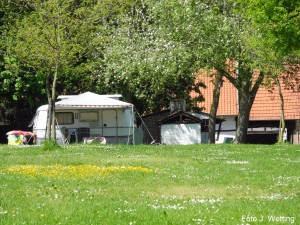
x,y
278,22
21,92
142,60
50,35
204,28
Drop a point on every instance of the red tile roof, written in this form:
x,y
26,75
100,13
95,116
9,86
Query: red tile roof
x,y
265,107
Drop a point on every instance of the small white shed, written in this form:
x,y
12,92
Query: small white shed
x,y
181,128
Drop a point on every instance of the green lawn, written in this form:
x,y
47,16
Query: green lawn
x,y
112,184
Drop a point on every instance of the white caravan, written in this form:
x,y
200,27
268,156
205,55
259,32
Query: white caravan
x,y
90,116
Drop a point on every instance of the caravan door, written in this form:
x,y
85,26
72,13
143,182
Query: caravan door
x,y
110,125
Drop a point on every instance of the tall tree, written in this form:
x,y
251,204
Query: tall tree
x,y
278,22
215,32
22,74
52,36
139,61
168,41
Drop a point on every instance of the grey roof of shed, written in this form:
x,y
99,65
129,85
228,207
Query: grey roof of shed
x,y
189,117
184,117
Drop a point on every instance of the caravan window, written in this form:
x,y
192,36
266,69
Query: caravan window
x,y
64,118
91,116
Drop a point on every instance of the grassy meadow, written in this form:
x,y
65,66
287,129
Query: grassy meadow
x,y
112,184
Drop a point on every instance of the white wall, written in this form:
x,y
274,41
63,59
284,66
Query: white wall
x,y
180,134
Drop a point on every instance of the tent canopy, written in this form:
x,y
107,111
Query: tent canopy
x,y
89,100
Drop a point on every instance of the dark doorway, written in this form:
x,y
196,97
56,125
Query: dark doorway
x,y
262,138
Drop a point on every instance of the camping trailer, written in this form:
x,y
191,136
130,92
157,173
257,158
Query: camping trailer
x,y
89,116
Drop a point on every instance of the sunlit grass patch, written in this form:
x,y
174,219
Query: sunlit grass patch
x,y
75,172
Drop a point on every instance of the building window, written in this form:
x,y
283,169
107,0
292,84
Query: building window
x,y
88,116
64,118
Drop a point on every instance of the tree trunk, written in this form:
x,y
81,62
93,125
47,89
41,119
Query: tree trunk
x,y
49,114
245,104
214,108
247,90
53,96
282,117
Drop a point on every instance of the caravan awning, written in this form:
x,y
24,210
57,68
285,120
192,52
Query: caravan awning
x,y
91,100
